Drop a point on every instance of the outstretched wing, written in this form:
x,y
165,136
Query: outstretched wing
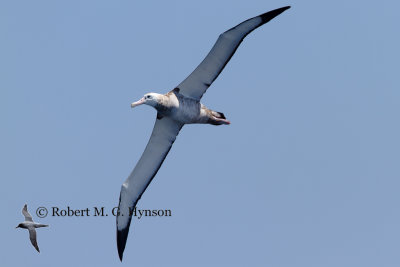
x,y
26,214
32,237
196,84
163,136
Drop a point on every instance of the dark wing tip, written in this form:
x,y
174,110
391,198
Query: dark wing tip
x,y
272,14
122,236
35,245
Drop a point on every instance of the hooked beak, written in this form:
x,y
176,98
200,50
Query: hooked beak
x,y
137,103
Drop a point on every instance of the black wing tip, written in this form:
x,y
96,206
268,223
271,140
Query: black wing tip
x,y
272,14
122,236
36,247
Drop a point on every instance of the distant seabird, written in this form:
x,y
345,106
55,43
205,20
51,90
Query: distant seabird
x,y
30,225
179,107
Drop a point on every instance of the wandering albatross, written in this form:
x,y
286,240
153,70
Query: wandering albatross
x,y
179,107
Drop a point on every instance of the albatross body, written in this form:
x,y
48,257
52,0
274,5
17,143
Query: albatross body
x,y
176,108
182,109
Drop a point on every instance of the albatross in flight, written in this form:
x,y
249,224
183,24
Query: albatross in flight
x,y
179,107
30,225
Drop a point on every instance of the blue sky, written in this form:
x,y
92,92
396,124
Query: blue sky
x,y
307,174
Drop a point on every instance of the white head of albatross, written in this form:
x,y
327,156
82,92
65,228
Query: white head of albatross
x,y
151,99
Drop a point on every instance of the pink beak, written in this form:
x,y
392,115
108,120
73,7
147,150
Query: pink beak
x,y
137,103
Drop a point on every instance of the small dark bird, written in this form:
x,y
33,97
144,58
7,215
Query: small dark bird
x,y
30,225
